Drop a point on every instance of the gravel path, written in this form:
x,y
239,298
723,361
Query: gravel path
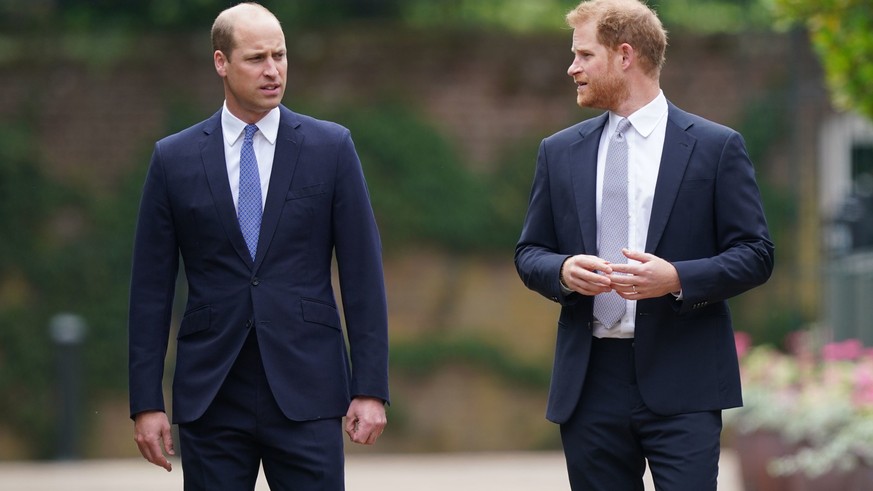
x,y
512,471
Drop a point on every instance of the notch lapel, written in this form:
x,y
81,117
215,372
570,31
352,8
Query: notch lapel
x,y
583,171
288,144
678,145
215,166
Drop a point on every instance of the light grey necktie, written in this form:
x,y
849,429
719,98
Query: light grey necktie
x,y
609,307
249,200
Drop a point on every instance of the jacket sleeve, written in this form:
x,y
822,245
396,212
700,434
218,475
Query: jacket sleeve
x,y
152,289
745,256
537,257
359,261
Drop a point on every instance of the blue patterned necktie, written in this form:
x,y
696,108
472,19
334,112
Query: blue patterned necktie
x,y
249,203
609,307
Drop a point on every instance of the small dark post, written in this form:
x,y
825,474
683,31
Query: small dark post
x,y
67,331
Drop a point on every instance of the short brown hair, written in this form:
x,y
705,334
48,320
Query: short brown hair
x,y
625,21
222,28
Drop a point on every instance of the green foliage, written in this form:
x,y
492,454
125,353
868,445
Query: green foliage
x,y
64,251
90,15
421,191
707,16
25,350
714,16
87,16
841,32
509,189
96,49
512,15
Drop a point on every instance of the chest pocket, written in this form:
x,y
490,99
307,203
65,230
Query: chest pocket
x,y
305,192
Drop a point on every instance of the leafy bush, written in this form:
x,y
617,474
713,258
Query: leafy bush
x,y
64,251
842,34
421,190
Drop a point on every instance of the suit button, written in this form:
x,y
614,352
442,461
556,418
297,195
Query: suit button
x,y
256,282
249,324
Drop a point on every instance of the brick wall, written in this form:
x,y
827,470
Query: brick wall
x,y
483,90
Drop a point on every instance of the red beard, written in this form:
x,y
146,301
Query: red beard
x,y
607,92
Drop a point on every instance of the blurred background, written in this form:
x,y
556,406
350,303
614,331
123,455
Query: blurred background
x,y
447,101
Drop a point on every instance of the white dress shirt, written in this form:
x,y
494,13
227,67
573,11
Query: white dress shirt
x,y
645,145
264,143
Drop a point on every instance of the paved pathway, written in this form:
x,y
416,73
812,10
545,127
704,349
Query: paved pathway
x,y
513,471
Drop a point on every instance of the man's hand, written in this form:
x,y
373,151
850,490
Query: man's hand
x,y
587,275
651,277
365,420
151,430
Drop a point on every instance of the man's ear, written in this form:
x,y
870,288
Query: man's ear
x,y
220,62
628,55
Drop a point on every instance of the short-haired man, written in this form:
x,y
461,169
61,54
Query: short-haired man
x,y
642,222
257,200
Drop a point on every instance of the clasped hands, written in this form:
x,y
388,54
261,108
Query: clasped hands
x,y
647,277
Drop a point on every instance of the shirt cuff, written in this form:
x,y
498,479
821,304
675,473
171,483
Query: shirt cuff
x,y
565,290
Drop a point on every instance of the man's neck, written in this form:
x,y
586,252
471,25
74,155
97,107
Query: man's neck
x,y
640,94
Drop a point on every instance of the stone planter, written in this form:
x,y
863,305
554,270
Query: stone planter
x,y
861,480
757,449
831,481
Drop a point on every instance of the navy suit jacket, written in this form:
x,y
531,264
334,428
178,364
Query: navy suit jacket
x,y
317,206
707,220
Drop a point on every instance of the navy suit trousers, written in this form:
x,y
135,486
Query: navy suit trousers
x,y
244,428
612,434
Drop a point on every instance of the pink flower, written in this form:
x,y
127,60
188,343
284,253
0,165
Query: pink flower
x,y
863,393
850,349
743,341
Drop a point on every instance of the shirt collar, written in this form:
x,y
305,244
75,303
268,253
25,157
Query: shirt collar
x,y
233,127
645,119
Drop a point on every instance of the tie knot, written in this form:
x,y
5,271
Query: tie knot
x,y
251,129
623,126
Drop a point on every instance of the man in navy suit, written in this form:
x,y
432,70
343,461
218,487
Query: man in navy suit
x,y
263,376
647,385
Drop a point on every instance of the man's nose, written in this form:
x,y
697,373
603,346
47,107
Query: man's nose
x,y
573,69
272,68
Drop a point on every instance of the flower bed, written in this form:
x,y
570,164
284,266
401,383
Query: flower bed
x,y
807,419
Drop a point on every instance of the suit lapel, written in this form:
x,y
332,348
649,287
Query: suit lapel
x,y
288,144
215,165
583,171
674,160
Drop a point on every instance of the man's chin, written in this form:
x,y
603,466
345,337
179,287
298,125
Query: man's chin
x,y
270,99
585,103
